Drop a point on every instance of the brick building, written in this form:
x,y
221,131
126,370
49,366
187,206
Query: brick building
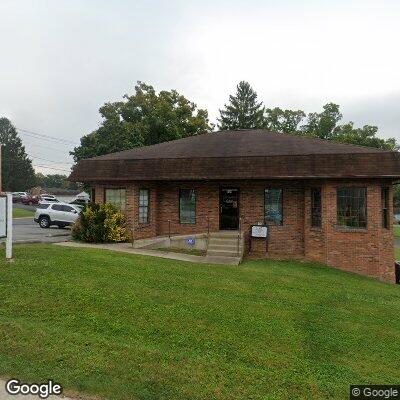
x,y
321,200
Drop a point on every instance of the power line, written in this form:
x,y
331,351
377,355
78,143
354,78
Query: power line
x,y
45,159
45,147
50,167
45,137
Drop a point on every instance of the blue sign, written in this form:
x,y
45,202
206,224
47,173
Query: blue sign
x,y
191,241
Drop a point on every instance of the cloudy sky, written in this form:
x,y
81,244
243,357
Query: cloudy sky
x,y
61,60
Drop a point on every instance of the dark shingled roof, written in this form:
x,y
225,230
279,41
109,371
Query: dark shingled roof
x,y
242,154
241,143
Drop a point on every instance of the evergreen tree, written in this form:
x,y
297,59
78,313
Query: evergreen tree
x,y
16,168
243,110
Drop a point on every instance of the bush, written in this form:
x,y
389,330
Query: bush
x,y
100,223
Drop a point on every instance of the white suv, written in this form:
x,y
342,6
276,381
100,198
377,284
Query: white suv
x,y
60,214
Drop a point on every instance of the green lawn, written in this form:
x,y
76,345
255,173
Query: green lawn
x,y
396,231
132,327
20,213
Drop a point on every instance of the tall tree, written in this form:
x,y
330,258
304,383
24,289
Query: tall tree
x,y
285,121
323,124
141,119
365,136
16,168
243,110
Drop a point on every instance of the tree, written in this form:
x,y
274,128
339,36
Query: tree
x,y
243,110
284,121
323,124
365,136
54,181
142,119
16,168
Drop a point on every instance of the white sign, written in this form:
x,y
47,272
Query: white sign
x,y
3,217
259,231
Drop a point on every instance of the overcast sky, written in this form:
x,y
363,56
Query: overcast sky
x,y
61,60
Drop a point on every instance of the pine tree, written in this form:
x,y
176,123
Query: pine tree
x,y
16,168
243,110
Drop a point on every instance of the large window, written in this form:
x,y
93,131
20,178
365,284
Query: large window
x,y
116,197
144,196
316,209
385,207
273,206
187,206
352,207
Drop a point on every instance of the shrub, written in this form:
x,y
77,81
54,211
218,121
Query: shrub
x,y
100,223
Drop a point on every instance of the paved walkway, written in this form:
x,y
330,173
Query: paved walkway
x,y
127,248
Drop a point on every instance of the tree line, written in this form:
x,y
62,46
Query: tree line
x,y
147,117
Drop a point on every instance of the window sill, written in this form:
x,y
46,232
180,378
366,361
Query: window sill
x,y
316,229
350,229
187,223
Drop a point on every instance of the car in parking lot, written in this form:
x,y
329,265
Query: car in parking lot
x,y
18,196
30,200
48,198
59,214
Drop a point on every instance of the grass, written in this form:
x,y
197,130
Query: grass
x,y
21,213
396,231
124,326
193,252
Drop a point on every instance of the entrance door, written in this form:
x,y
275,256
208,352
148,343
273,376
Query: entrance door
x,y
229,209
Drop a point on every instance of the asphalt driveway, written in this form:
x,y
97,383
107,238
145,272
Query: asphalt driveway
x,y
26,230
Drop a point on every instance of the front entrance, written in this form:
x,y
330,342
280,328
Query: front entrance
x,y
229,209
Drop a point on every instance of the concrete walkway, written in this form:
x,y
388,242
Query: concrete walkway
x,y
127,248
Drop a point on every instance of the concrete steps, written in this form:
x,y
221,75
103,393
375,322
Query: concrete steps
x,y
223,248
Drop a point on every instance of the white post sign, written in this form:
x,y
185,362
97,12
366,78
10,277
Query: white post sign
x,y
6,222
3,217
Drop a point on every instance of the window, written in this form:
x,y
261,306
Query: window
x,y
116,197
187,206
273,206
42,206
316,209
352,207
92,195
57,207
69,209
385,207
144,206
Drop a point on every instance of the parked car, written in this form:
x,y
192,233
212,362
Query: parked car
x,y
48,198
79,202
18,196
29,200
60,214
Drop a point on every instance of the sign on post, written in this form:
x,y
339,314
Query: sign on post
x,y
259,231
3,217
6,222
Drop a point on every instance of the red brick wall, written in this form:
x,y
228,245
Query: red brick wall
x,y
368,251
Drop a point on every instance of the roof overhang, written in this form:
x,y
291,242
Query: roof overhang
x,y
362,165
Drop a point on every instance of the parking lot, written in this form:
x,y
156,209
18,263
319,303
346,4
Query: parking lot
x,y
26,230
